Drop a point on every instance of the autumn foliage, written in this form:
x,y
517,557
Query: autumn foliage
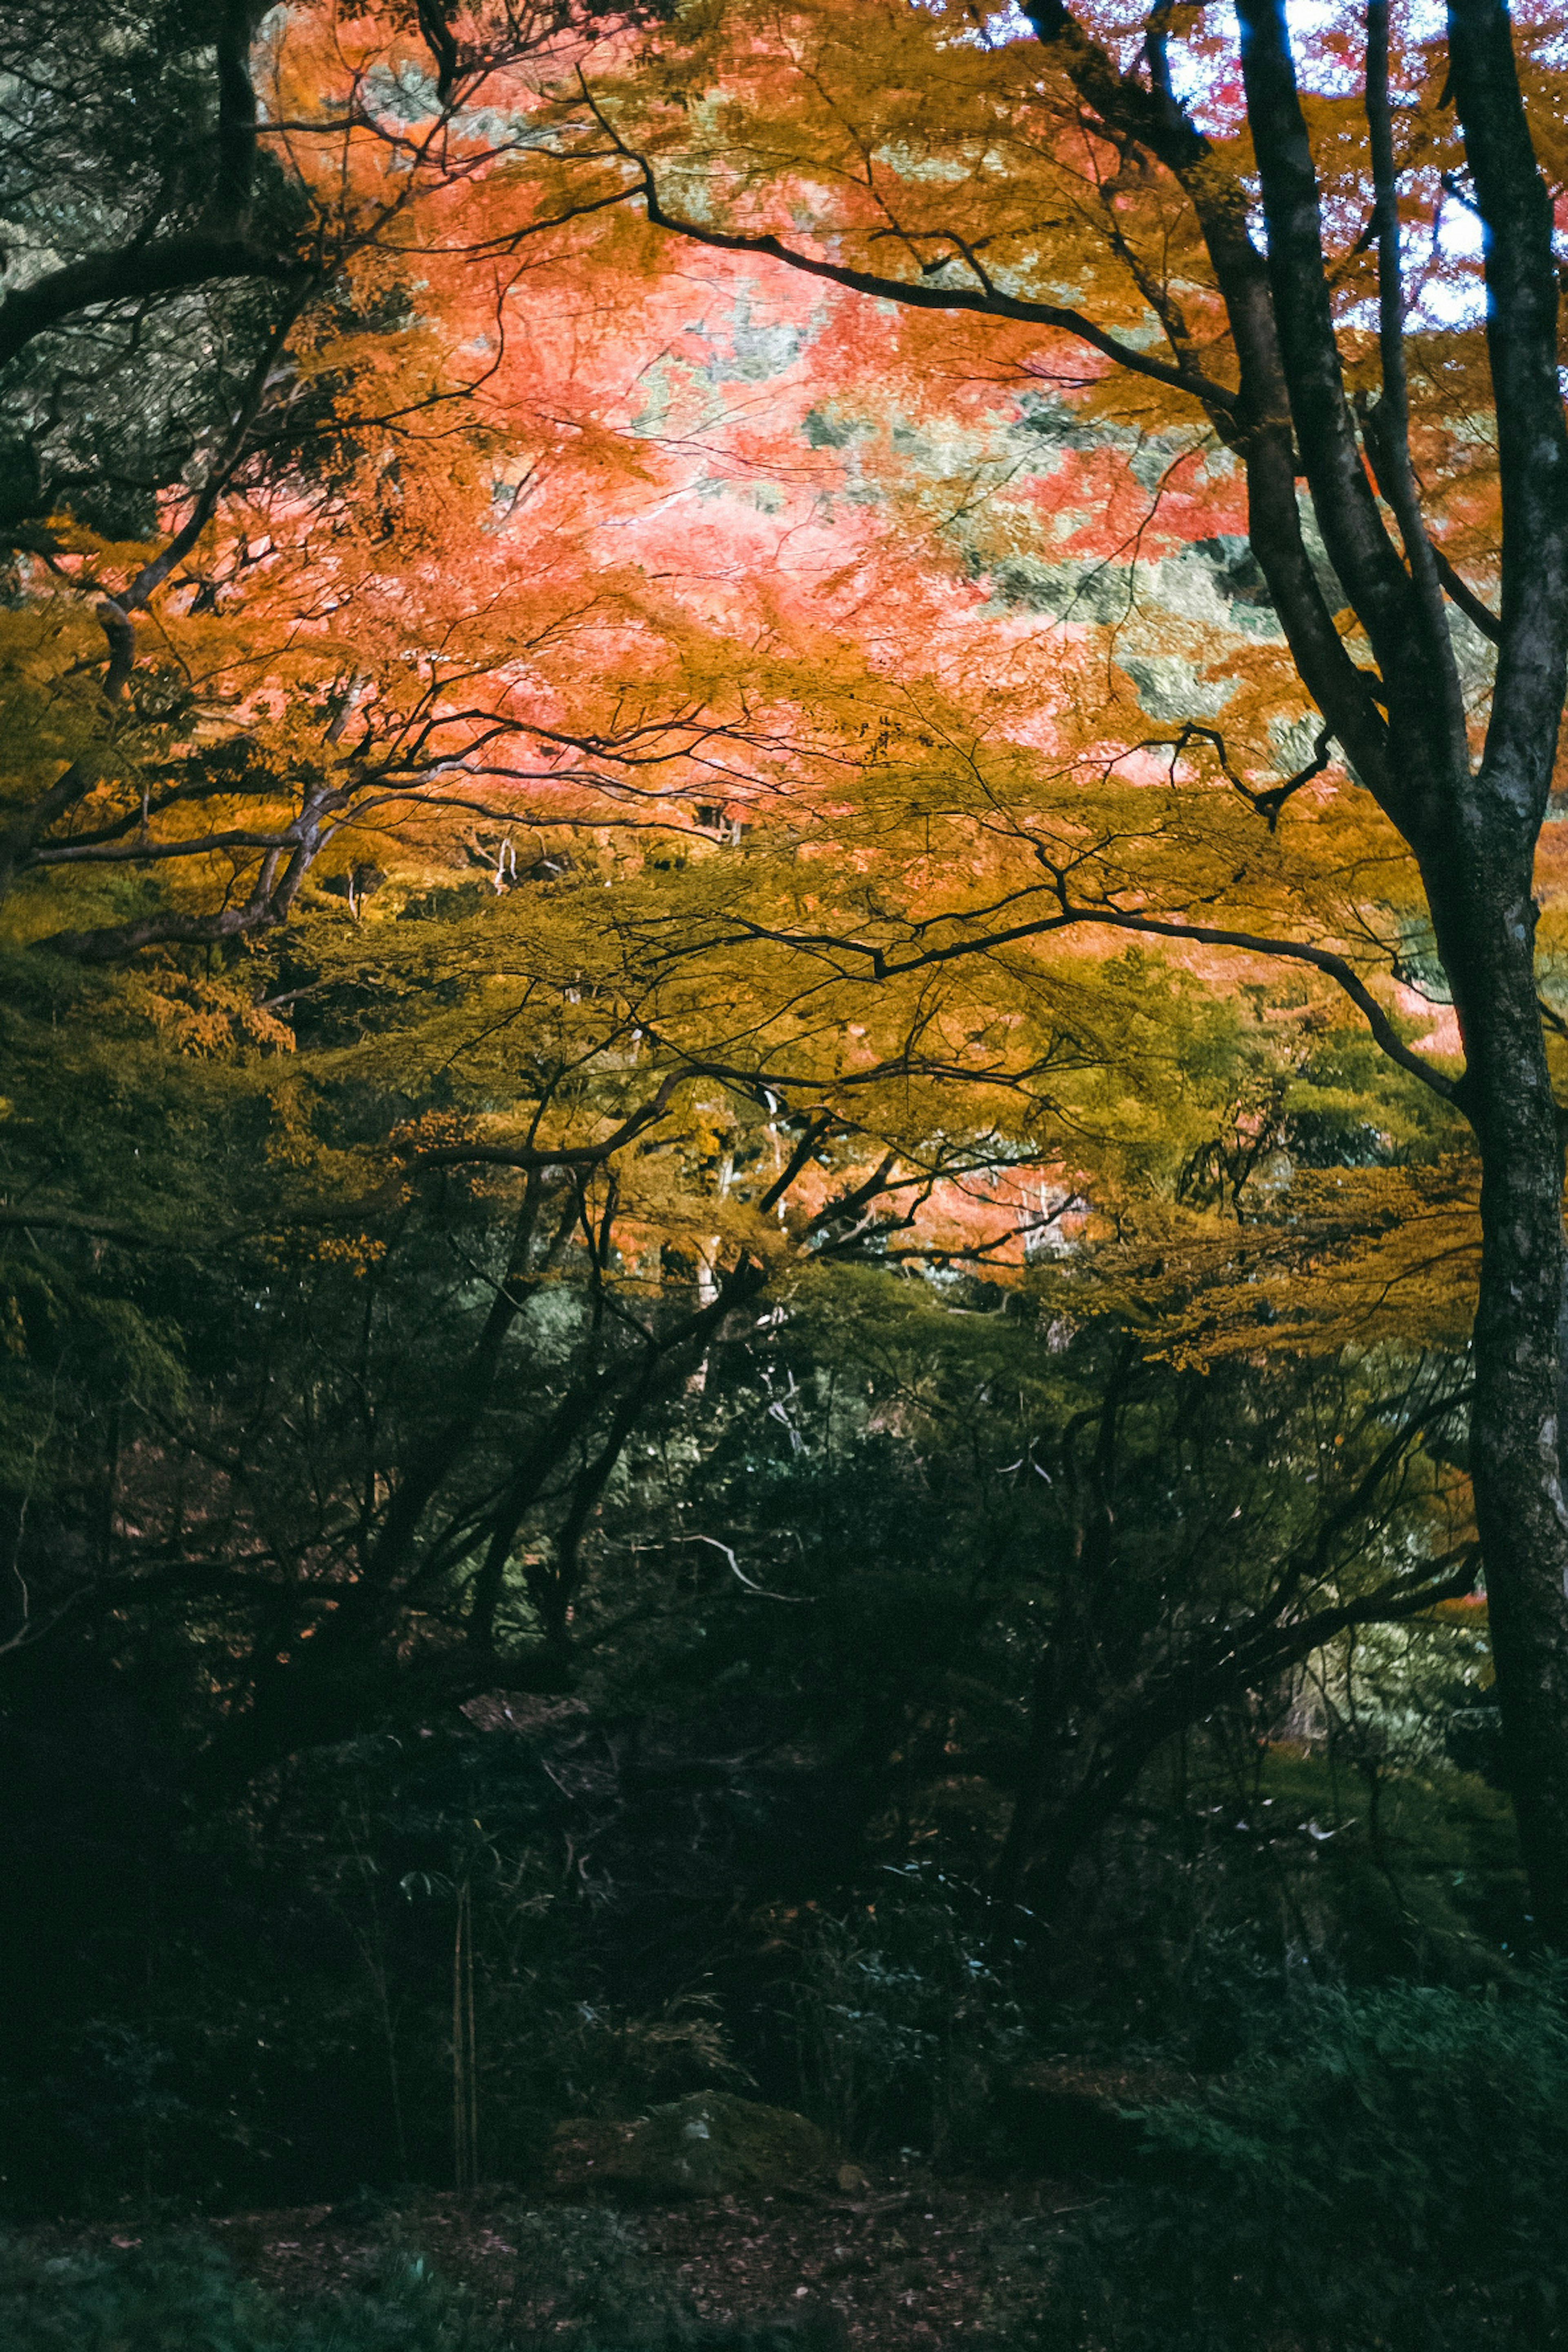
x,y
723,918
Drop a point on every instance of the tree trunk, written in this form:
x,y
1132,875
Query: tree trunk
x,y
1486,932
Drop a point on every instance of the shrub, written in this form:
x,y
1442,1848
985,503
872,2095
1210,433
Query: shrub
x,y
183,2295
583,2283
901,2023
1397,2179
581,2277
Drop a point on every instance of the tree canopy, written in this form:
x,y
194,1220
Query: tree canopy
x,y
780,872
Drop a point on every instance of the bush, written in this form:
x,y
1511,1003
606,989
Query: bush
x,y
901,2023
184,2297
1397,2179
583,2278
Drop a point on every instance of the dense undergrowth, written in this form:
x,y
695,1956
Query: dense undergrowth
x,y
582,2283
1386,2172
1390,2175
184,2297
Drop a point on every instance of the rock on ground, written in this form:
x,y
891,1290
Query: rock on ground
x,y
710,2144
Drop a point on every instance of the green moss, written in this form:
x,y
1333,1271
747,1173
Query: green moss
x,y
712,2144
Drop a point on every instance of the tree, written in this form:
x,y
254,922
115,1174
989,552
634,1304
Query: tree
x,y
330,1337
341,701
143,163
1099,161
1076,1551
133,162
212,354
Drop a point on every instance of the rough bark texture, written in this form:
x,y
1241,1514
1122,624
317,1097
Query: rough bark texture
x,y
1514,1441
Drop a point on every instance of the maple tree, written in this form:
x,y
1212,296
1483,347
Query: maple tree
x,y
211,344
1237,240
699,824
734,1156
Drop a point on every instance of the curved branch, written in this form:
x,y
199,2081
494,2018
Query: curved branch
x,y
581,1155
169,265
1334,967
1478,614
989,301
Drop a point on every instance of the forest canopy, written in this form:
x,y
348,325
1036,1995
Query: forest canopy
x,y
784,999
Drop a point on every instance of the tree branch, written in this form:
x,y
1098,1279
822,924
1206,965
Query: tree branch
x,y
989,301
1359,546
1522,297
1220,202
884,966
1393,409
169,265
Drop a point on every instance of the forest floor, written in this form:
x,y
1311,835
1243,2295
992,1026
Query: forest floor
x,y
906,2261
